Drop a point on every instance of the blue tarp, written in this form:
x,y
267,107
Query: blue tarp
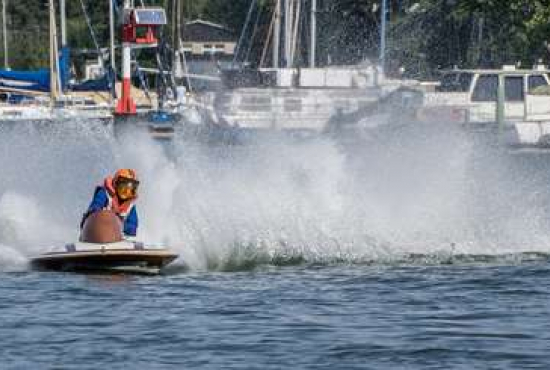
x,y
101,84
38,80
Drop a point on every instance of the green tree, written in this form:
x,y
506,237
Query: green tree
x,y
433,34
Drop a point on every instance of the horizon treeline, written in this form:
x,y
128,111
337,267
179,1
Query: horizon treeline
x,y
423,35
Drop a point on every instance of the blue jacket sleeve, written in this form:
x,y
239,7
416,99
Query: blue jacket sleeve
x,y
99,202
131,223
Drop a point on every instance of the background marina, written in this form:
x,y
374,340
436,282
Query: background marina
x,y
401,227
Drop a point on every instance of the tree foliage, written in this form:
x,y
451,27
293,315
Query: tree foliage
x,y
432,34
423,35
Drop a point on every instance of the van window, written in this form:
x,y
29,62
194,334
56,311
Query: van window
x,y
536,81
513,88
455,82
486,88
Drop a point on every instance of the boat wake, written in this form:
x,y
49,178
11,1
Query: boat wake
x,y
257,261
432,195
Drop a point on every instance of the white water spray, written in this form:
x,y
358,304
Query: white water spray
x,y
414,190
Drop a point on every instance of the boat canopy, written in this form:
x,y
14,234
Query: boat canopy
x,y
104,83
37,80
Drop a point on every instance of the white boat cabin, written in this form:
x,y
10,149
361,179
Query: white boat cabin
x,y
299,99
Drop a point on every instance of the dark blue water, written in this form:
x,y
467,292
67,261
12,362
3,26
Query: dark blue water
x,y
491,315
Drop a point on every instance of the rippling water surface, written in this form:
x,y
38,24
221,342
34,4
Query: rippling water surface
x,y
460,316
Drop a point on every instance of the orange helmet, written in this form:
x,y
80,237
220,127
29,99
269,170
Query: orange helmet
x,y
126,174
125,182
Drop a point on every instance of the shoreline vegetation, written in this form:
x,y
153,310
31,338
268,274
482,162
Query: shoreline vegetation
x,y
424,36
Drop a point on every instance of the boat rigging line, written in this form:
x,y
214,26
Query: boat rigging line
x,y
243,31
268,40
90,28
254,31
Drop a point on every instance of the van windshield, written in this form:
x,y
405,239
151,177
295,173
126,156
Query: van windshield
x,y
455,82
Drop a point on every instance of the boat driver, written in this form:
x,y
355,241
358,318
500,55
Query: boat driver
x,y
118,194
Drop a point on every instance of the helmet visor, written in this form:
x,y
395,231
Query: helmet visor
x,y
126,188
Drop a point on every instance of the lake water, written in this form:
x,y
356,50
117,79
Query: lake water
x,y
457,316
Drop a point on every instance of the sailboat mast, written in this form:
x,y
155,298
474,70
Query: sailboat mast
x,y
383,21
287,33
295,29
53,64
277,34
5,35
63,13
173,23
178,23
313,41
183,60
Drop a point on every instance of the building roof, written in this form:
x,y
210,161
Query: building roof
x,y
203,31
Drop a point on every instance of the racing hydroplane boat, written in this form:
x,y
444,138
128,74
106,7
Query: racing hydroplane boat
x,y
102,248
